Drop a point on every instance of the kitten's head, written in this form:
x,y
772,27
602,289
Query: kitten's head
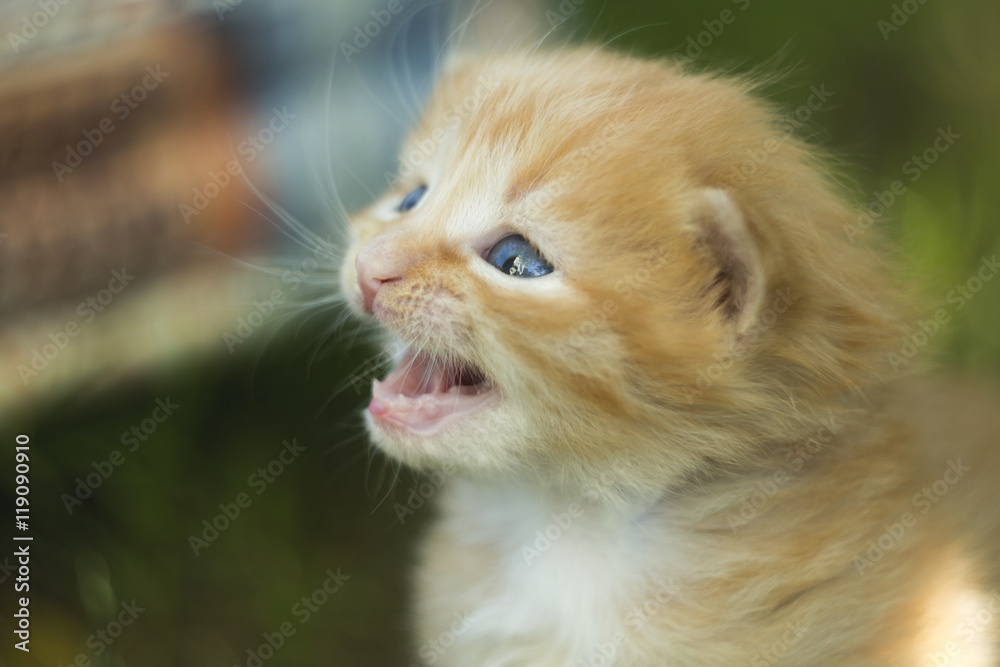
x,y
605,273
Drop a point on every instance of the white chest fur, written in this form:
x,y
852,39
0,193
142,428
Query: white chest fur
x,y
543,581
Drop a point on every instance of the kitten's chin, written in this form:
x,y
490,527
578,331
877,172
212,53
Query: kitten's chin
x,y
424,396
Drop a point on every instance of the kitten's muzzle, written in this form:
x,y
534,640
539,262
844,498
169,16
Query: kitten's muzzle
x,y
377,265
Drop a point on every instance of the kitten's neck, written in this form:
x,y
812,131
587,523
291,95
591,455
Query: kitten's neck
x,y
710,491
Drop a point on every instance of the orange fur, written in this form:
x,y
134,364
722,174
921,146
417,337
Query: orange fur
x,y
710,341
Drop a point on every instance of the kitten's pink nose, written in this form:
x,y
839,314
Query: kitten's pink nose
x,y
377,265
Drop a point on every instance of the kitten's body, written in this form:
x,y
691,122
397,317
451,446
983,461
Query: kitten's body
x,y
691,446
689,581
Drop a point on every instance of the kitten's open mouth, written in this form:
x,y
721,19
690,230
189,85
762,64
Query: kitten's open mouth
x,y
424,395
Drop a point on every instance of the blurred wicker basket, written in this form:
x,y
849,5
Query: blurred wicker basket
x,y
110,127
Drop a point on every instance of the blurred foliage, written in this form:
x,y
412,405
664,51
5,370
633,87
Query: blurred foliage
x,y
899,72
327,509
333,506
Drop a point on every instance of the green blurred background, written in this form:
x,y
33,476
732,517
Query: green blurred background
x,y
333,506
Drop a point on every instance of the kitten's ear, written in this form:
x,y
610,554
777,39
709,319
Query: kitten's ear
x,y
740,282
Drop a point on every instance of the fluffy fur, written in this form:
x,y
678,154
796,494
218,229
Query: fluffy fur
x,y
698,435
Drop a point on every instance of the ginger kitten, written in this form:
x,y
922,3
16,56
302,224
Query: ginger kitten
x,y
657,374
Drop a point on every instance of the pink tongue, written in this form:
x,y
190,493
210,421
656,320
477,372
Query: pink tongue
x,y
422,396
417,376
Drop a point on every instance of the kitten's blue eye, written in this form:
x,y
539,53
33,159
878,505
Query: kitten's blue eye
x,y
412,199
515,256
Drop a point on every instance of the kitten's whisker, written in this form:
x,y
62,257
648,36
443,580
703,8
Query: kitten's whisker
x,y
349,463
458,33
369,368
338,205
320,341
312,240
541,40
623,33
302,236
389,109
392,486
338,217
362,183
596,21
398,43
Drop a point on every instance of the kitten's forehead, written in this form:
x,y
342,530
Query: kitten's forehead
x,y
506,144
591,156
474,213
